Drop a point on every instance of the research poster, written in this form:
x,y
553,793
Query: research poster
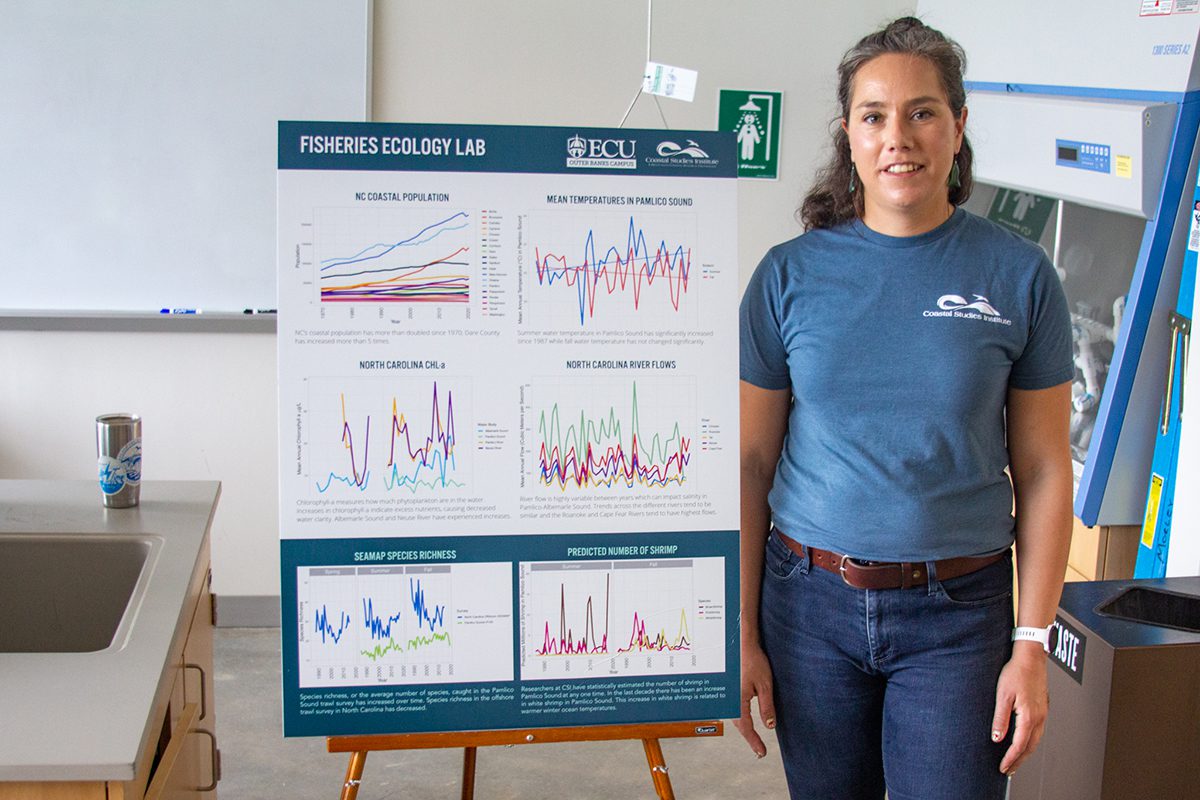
x,y
508,421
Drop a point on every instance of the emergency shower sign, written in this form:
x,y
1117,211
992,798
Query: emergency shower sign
x,y
753,117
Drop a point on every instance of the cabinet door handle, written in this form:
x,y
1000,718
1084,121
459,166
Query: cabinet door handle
x,y
162,779
216,760
203,693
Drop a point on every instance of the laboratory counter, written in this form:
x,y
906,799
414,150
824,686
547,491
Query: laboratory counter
x,y
98,713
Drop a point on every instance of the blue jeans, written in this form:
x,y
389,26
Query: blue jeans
x,y
890,689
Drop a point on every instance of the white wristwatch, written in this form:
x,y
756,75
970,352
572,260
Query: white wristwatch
x,y
1040,635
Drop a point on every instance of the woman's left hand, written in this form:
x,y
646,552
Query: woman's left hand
x,y
1021,692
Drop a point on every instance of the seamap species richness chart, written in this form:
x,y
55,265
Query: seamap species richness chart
x,y
508,426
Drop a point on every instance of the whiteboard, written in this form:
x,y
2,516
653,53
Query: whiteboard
x,y
138,144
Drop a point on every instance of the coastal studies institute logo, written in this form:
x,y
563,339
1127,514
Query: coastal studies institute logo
x,y
953,305
689,154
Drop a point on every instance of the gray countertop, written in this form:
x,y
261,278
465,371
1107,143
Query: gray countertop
x,y
86,716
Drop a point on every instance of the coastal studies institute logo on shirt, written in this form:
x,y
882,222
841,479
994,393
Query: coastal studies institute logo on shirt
x,y
953,305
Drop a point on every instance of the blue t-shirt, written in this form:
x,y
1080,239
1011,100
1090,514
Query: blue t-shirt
x,y
899,353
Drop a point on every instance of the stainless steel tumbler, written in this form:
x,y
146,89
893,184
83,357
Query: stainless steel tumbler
x,y
119,458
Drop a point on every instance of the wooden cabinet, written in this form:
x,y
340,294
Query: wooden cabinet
x,y
67,790
182,760
1103,552
189,764
1100,553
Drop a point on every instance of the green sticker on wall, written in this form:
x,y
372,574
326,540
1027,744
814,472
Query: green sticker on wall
x,y
754,118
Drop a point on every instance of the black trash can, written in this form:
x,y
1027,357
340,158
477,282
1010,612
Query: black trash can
x,y
1124,680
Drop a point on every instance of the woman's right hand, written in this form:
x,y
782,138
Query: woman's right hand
x,y
763,420
756,682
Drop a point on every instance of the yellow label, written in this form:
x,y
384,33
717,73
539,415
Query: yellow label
x,y
1151,521
1124,166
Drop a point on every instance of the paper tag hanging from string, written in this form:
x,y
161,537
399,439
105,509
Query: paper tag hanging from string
x,y
674,82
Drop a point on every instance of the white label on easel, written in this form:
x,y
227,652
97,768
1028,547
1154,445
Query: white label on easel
x,y
674,82
1194,231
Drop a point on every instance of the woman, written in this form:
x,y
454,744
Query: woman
x,y
896,359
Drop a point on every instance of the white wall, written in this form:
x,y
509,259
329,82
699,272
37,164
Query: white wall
x,y
571,62
209,407
209,400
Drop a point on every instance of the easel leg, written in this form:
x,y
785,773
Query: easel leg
x,y
658,769
468,780
354,772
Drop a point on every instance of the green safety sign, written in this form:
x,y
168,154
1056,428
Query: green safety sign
x,y
1025,213
754,117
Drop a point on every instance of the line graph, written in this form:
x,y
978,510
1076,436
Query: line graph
x,y
428,616
393,255
403,624
580,443
609,271
565,642
379,626
329,631
641,641
625,617
377,436
411,637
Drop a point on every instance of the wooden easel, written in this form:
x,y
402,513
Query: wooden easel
x,y
650,733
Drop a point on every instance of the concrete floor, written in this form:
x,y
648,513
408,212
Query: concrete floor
x,y
257,762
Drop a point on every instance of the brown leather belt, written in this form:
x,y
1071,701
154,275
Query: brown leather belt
x,y
889,574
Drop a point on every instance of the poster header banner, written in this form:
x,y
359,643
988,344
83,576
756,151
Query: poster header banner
x,y
500,148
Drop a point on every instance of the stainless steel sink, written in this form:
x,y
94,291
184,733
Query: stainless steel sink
x,y
67,593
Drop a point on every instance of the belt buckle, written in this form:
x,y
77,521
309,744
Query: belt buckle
x,y
842,572
869,566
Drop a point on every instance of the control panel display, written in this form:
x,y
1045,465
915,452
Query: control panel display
x,y
1083,155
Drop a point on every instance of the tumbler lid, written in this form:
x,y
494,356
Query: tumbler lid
x,y
111,419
